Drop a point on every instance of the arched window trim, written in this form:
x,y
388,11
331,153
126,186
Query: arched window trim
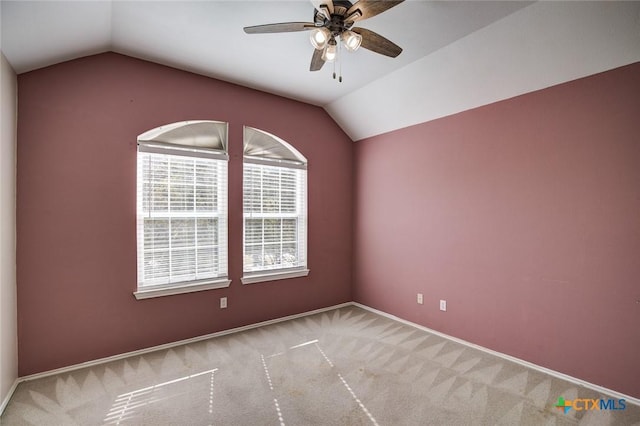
x,y
193,134
263,147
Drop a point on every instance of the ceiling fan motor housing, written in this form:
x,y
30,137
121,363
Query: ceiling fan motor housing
x,y
337,23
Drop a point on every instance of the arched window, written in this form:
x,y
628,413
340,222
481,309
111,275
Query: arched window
x,y
182,208
275,209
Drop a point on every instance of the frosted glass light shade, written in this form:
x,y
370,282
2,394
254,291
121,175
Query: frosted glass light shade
x,y
319,37
330,52
351,40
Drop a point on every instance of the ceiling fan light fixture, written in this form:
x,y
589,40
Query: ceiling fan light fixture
x,y
319,37
351,40
330,52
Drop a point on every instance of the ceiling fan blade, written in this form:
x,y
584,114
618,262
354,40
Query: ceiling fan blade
x,y
376,43
320,6
369,8
284,27
316,60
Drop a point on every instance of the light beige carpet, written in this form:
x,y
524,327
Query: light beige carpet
x,y
342,367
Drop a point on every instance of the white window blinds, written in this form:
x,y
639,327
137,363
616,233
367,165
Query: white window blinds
x,y
182,215
275,215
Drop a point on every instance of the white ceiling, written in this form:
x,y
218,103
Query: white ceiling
x,y
457,55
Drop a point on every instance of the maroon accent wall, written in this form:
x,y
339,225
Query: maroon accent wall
x,y
76,208
525,216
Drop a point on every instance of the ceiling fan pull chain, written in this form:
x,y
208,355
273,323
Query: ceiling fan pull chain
x,y
340,63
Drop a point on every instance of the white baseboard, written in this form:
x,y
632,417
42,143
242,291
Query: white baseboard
x,y
597,388
6,399
528,364
174,344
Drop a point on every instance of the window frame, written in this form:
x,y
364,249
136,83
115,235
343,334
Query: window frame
x,y
295,161
221,280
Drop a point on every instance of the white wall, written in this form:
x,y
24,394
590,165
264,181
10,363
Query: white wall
x,y
8,314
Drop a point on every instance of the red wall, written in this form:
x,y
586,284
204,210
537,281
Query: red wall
x,y
76,228
525,216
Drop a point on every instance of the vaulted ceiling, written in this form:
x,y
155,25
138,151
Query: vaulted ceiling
x,y
457,54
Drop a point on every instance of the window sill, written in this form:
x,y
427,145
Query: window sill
x,y
259,278
169,290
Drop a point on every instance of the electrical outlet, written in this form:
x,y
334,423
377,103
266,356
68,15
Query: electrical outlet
x,y
420,299
443,305
223,302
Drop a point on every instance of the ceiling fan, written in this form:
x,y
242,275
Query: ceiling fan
x,y
333,24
